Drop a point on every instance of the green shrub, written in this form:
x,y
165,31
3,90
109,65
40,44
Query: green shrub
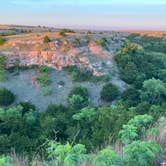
x,y
141,153
6,97
79,74
44,69
47,91
2,67
46,39
2,40
107,157
42,78
5,161
27,106
76,102
109,92
80,90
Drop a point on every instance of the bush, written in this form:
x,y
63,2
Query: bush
x,y
43,68
2,40
2,67
76,102
78,98
5,161
43,78
109,92
47,91
6,97
80,90
141,153
46,39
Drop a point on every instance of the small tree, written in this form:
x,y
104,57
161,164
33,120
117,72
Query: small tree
x,y
6,97
5,161
2,40
46,39
154,91
67,155
106,157
2,67
141,153
109,92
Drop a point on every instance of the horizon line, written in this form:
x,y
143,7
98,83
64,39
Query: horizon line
x,y
92,27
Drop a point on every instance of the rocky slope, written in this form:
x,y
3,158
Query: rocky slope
x,y
90,50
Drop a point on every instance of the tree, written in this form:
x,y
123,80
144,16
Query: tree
x,y
107,157
67,154
130,97
128,134
135,127
79,94
87,113
2,67
46,39
109,92
76,102
154,91
5,161
6,97
141,153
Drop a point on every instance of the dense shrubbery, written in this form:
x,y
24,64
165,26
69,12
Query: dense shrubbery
x,y
150,43
63,32
6,97
79,128
78,98
109,92
136,65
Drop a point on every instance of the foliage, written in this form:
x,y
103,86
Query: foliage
x,y
85,113
47,90
135,127
46,39
80,90
107,157
104,43
154,91
78,97
43,78
43,69
130,97
19,130
6,97
80,74
141,153
109,92
2,40
76,102
2,67
156,44
5,161
63,32
67,155
136,65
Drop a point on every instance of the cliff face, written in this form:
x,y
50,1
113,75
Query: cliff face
x,y
73,49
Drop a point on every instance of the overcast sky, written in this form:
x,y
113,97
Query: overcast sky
x,y
124,14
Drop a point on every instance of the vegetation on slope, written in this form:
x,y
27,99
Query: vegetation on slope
x,y
79,133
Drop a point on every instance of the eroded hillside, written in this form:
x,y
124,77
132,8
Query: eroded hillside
x,y
78,48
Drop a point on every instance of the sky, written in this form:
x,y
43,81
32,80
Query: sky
x,y
93,14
